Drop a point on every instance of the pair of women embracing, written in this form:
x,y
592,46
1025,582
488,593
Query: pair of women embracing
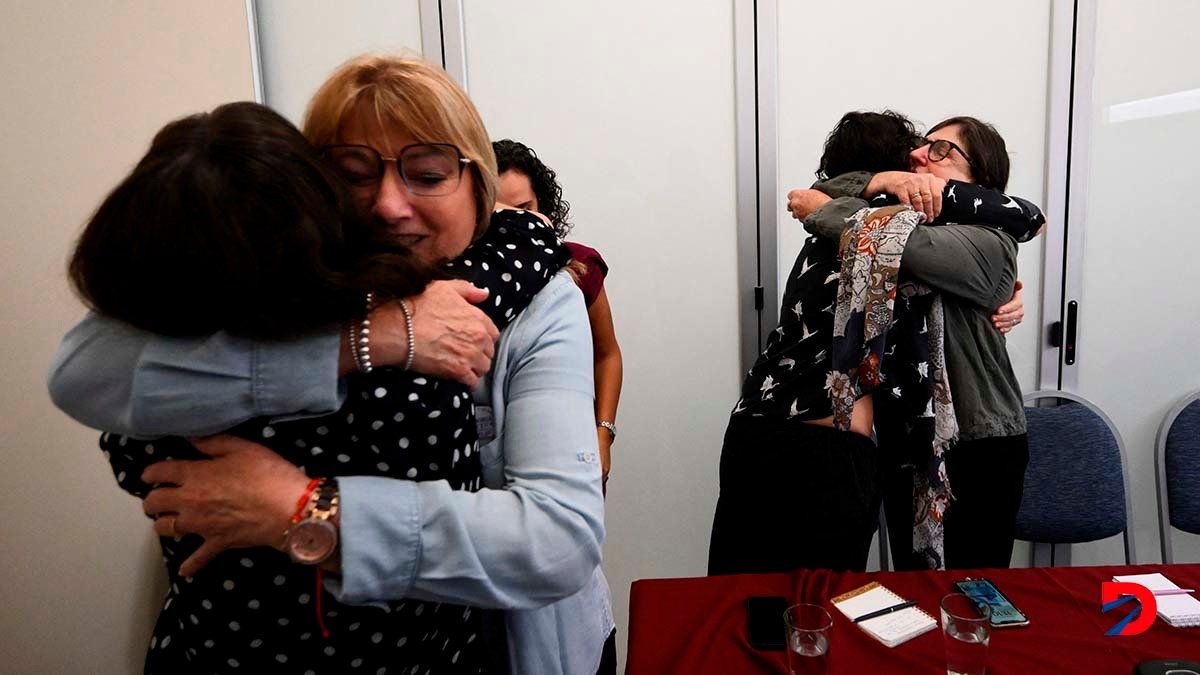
x,y
886,325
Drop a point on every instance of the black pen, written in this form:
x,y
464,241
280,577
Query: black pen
x,y
886,610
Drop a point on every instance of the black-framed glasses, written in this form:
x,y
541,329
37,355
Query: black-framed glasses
x,y
427,169
940,148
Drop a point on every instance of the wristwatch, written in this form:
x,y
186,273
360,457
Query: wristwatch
x,y
612,428
314,538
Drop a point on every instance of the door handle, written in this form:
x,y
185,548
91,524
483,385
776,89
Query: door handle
x,y
1069,352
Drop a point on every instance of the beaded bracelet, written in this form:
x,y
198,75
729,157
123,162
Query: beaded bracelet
x,y
412,339
360,339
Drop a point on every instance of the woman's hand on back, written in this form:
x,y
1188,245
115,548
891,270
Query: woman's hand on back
x,y
1011,313
455,340
243,497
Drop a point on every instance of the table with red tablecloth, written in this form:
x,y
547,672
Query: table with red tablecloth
x,y
698,625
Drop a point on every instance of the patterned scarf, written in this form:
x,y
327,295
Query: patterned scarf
x,y
912,370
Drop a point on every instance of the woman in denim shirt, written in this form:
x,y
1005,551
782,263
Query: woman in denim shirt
x,y
528,543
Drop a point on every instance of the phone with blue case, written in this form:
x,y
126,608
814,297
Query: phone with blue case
x,y
1004,613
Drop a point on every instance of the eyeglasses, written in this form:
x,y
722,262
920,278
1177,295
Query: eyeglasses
x,y
939,149
427,169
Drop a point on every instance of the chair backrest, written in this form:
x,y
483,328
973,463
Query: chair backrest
x,y
1077,483
1177,463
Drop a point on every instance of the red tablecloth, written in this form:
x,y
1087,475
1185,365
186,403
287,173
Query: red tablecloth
x,y
699,625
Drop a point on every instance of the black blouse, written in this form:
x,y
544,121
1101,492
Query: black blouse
x,y
253,610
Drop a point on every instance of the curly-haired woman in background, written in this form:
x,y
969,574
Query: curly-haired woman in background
x,y
527,183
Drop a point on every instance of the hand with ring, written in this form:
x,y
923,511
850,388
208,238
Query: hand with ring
x,y
1010,313
922,191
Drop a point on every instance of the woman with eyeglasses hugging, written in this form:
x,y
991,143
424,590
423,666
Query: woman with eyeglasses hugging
x,y
522,535
958,173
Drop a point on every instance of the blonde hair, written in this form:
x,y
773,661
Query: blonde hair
x,y
413,97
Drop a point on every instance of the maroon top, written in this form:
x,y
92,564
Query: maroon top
x,y
592,282
699,625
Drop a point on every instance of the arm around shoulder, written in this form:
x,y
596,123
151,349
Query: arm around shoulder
x,y
114,377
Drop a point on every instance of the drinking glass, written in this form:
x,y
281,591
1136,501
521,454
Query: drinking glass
x,y
965,632
808,632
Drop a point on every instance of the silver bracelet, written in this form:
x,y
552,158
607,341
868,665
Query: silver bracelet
x,y
362,345
412,339
612,428
352,334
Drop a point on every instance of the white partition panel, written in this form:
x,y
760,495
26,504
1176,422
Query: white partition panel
x,y
632,103
302,41
929,60
1139,308
86,86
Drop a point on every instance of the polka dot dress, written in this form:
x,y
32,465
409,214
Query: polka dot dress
x,y
255,611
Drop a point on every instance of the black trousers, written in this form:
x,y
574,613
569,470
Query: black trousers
x,y
794,495
608,658
987,477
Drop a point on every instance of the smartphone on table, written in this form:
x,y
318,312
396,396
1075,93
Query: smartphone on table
x,y
1004,613
764,622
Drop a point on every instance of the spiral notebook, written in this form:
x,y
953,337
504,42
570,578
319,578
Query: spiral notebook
x,y
1181,611
890,629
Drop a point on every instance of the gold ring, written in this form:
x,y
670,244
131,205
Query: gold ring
x,y
171,527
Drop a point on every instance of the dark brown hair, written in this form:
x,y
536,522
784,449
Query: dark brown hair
x,y
233,222
985,145
868,141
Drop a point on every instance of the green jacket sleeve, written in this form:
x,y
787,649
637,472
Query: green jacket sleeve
x,y
977,264
830,220
846,185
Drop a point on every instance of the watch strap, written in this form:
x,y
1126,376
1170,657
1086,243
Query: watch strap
x,y
610,426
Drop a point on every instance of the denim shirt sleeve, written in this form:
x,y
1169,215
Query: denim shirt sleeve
x,y
114,377
532,540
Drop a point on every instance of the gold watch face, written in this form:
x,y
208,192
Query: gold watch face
x,y
311,541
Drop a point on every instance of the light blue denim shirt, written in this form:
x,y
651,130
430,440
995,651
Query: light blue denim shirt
x,y
528,543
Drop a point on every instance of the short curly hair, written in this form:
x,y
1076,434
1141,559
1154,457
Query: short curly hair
x,y
868,141
516,156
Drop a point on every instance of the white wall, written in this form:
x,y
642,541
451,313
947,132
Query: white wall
x,y
1139,317
632,103
302,41
86,84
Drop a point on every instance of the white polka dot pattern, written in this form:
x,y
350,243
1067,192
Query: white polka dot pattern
x,y
253,610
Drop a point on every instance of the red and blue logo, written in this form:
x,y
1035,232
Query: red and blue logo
x,y
1136,598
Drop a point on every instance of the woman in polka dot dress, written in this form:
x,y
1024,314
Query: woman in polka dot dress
x,y
255,610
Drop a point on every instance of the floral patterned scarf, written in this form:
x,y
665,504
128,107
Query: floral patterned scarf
x,y
912,370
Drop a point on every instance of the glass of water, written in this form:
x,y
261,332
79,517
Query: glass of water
x,y
808,634
966,628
